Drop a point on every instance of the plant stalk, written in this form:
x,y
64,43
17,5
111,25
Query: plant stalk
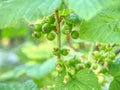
x,y
58,31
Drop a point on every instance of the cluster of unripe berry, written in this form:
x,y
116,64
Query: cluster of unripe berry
x,y
70,22
68,26
69,68
104,56
57,52
45,27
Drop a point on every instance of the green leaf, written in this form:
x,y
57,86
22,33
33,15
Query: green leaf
x,y
18,31
104,27
29,85
84,80
13,12
115,84
37,52
38,71
35,70
115,72
115,68
86,9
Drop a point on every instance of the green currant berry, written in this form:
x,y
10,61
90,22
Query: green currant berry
x,y
46,28
102,69
88,64
66,78
72,19
96,54
102,47
104,55
50,19
64,52
108,49
109,60
36,35
43,21
72,62
112,55
72,72
95,66
56,51
74,34
67,62
66,29
59,68
51,36
38,27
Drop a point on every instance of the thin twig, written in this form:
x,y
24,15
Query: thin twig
x,y
58,31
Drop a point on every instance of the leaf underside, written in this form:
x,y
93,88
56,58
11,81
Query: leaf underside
x,y
14,12
104,27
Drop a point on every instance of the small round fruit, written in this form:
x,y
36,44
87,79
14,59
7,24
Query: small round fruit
x,y
67,62
112,56
51,36
95,66
72,72
66,78
74,34
36,35
59,68
108,48
102,47
96,54
56,51
102,69
46,28
88,64
72,19
66,29
64,52
51,19
43,21
38,27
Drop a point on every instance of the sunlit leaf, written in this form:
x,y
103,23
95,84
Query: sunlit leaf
x,y
14,12
84,80
115,72
30,70
86,9
37,52
104,27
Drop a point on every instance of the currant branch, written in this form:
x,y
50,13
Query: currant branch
x,y
58,31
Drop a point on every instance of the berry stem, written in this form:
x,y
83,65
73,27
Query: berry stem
x,y
58,31
70,44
